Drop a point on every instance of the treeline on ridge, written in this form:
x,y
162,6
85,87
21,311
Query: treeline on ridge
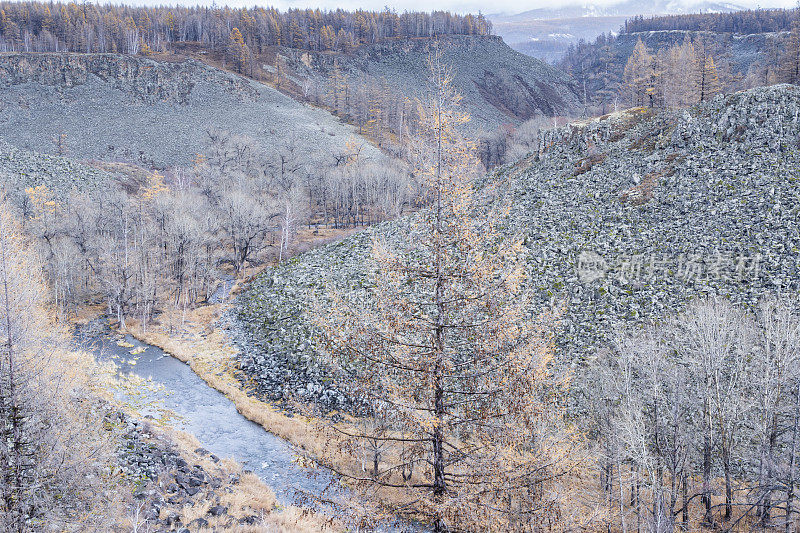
x,y
746,22
677,70
42,27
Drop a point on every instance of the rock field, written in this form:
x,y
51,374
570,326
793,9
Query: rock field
x,y
627,218
168,483
22,168
133,109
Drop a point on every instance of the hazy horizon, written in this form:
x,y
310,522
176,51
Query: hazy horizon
x,y
498,7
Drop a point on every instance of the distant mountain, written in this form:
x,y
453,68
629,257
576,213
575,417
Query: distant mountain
x,y
546,33
549,39
625,8
747,47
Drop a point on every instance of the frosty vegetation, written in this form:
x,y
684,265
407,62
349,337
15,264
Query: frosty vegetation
x,y
56,449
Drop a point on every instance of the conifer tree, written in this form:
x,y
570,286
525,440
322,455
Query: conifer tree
x,y
707,82
790,62
450,360
637,77
237,50
54,458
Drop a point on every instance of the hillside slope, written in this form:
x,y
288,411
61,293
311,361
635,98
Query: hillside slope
x,y
20,169
499,85
154,113
627,217
744,57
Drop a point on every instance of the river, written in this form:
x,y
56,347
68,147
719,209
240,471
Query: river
x,y
212,418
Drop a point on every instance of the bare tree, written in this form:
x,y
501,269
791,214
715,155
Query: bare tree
x,y
53,451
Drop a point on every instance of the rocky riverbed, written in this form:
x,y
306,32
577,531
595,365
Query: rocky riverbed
x,y
168,483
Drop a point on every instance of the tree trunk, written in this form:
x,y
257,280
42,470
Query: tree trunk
x,y
766,512
726,465
439,487
685,511
792,463
708,519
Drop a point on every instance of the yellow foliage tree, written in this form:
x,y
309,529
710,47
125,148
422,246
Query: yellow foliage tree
x,y
42,201
637,76
238,51
155,186
706,77
450,359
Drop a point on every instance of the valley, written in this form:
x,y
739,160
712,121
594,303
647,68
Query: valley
x,y
309,270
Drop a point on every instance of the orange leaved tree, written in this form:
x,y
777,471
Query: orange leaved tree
x,y
465,428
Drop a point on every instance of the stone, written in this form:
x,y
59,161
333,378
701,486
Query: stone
x,y
217,510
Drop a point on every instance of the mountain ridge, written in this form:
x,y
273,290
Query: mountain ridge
x,y
499,85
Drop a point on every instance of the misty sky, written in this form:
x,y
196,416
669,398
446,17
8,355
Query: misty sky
x,y
485,6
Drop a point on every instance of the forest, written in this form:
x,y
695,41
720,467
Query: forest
x,y
744,22
679,71
158,239
95,28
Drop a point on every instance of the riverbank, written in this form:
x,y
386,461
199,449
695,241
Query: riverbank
x,y
191,489
198,338
178,430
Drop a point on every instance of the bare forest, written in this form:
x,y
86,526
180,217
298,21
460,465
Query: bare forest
x,y
32,26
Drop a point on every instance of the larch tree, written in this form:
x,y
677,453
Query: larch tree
x,y
238,50
450,360
637,76
790,62
677,85
706,79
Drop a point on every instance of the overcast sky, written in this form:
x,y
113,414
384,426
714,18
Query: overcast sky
x,y
485,6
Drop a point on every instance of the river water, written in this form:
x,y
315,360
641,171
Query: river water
x,y
169,388
211,418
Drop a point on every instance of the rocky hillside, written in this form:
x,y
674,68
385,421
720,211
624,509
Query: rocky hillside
x,y
20,169
628,217
128,108
499,85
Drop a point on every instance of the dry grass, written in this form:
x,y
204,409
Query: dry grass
x,y
195,339
585,165
247,497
